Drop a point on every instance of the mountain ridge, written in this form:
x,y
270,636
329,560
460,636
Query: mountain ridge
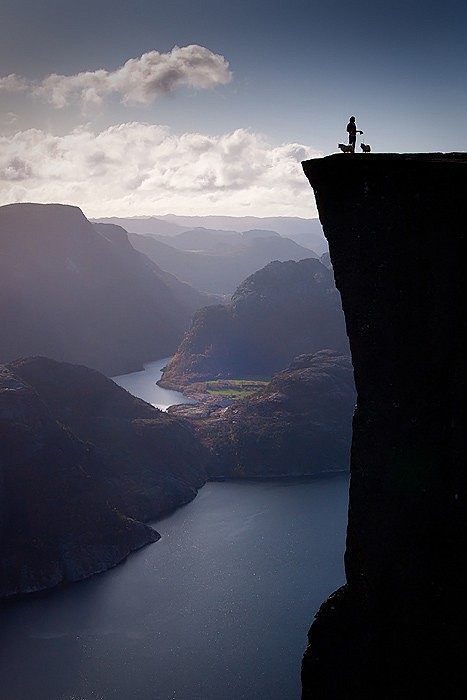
x,y
74,292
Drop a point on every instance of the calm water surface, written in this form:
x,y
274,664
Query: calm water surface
x,y
144,385
218,609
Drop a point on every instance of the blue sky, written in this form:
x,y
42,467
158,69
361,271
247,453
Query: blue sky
x,y
278,83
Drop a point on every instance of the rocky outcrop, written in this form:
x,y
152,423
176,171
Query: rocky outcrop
x,y
81,293
397,629
83,465
285,309
300,424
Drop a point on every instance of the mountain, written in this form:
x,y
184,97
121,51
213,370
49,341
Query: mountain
x,y
218,241
306,232
217,262
285,309
300,424
77,292
397,628
143,224
84,464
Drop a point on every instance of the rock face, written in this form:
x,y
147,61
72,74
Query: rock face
x,y
300,424
80,293
397,629
83,464
281,311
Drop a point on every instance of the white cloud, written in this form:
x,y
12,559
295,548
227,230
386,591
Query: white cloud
x,y
140,80
135,169
13,83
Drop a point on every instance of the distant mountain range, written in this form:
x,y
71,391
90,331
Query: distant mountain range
x,y
79,292
281,311
306,232
217,261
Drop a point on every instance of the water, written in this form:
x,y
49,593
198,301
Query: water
x,y
218,609
143,384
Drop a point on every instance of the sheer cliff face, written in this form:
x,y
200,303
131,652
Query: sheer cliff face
x,y
396,231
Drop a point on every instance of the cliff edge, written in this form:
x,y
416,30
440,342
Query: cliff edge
x,y
396,230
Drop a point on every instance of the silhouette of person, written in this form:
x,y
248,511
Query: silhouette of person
x,y
353,131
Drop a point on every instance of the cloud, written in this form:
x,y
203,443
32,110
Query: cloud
x,y
13,83
140,80
136,169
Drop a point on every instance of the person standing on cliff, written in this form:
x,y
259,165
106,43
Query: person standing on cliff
x,y
352,132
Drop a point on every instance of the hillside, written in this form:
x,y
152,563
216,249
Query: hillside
x,y
284,310
84,464
299,424
81,293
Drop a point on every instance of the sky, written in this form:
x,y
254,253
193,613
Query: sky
x,y
184,107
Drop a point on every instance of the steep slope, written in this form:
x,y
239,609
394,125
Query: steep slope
x,y
77,293
300,424
82,464
397,629
281,311
217,262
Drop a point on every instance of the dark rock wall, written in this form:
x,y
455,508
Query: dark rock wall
x,y
396,231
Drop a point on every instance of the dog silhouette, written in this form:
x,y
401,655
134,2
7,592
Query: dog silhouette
x,y
345,148
365,147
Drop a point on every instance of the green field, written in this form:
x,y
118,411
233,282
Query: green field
x,y
234,388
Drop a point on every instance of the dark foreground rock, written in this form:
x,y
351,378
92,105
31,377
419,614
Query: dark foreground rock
x,y
83,466
300,424
397,629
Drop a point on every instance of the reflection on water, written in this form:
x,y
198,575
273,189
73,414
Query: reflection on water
x,y
218,609
143,384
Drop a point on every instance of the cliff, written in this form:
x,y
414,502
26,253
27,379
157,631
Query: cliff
x,y
83,465
299,424
281,311
397,629
81,293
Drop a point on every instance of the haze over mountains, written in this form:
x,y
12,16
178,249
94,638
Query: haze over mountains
x,y
306,232
218,261
80,292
